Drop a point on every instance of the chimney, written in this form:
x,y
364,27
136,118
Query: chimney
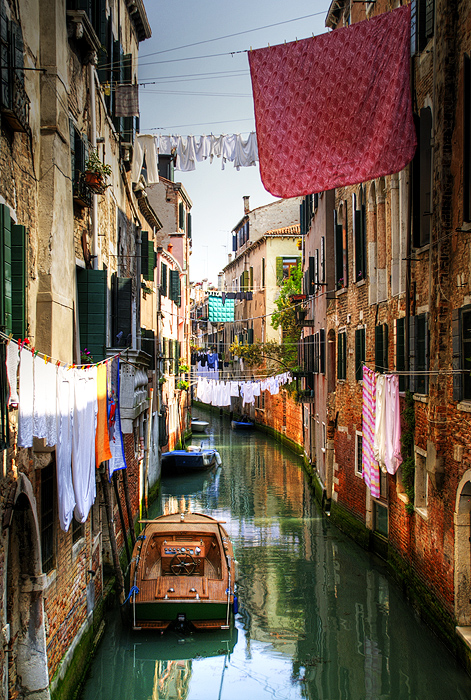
x,y
246,204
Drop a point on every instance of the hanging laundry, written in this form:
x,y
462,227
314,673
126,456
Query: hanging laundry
x,y
44,407
245,152
235,389
127,100
102,442
4,393
65,422
12,361
118,460
370,469
315,133
145,146
83,441
379,444
393,456
25,407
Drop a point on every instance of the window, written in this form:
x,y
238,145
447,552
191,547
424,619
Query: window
x,y
360,352
263,273
77,531
461,328
381,348
359,453
342,355
289,264
359,236
13,275
188,225
422,21
181,216
341,247
14,101
322,261
381,519
47,517
419,352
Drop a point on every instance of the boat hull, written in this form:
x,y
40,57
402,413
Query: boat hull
x,y
241,425
181,460
199,426
200,614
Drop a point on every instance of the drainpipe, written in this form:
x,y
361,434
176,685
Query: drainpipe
x,y
138,288
95,252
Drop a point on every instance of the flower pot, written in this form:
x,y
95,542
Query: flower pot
x,y
94,181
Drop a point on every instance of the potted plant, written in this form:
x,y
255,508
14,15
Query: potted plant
x,y
96,173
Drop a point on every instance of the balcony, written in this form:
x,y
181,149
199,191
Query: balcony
x,y
301,319
15,109
81,193
305,396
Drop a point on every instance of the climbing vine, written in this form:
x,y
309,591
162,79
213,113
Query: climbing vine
x,y
407,440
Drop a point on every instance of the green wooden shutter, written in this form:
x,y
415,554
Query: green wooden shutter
x,y
19,280
181,216
341,356
152,260
251,279
359,353
163,279
421,358
177,355
145,254
401,351
165,352
379,349
279,271
171,356
92,294
250,336
339,280
188,225
5,270
412,353
322,350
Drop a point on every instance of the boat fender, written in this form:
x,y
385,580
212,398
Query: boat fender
x,y
218,459
236,605
134,591
141,537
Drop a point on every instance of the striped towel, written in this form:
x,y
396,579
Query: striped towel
x,y
370,465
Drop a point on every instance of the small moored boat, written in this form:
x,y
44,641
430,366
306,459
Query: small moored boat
x,y
199,426
192,459
245,424
182,572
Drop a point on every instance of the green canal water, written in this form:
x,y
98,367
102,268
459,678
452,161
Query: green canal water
x,y
318,617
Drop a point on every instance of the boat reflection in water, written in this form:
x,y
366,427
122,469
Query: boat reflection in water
x,y
168,661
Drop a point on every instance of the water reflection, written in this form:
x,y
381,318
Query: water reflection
x,y
318,618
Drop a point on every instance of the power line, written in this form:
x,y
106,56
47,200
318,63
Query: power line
x,y
229,36
184,126
202,94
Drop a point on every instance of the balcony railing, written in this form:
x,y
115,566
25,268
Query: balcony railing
x,y
16,109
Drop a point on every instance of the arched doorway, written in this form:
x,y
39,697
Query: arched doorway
x,y
27,667
463,552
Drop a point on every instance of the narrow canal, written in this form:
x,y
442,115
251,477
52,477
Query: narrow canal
x,y
318,617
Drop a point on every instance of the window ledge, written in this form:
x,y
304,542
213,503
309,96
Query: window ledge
x,y
402,497
51,577
465,226
464,406
341,291
359,474
423,512
77,547
360,283
423,398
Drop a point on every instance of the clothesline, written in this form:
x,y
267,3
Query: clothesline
x,y
25,344
413,373
188,150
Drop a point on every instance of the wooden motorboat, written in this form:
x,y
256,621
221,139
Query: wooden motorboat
x,y
199,426
192,459
182,572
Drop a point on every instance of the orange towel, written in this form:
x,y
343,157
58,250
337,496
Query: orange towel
x,y
102,441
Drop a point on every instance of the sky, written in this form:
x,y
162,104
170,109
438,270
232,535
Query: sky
x,y
184,93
